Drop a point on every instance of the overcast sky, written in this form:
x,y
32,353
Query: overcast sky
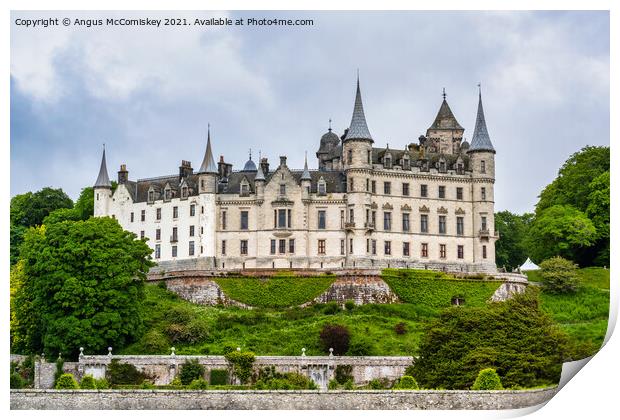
x,y
148,93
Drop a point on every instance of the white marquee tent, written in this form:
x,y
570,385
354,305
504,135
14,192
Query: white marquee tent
x,y
529,266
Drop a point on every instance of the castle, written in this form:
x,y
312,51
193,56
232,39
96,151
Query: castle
x,y
429,205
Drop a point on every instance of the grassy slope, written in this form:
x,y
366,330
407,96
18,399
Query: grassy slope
x,y
286,331
583,315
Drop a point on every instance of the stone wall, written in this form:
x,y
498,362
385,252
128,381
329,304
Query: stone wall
x,y
275,400
361,290
163,369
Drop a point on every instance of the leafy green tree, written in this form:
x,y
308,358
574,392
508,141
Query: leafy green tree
x,y
598,212
242,364
559,275
511,248
560,230
30,209
85,204
61,215
83,283
487,379
516,337
17,237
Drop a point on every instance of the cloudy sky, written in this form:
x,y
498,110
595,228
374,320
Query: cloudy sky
x,y
149,93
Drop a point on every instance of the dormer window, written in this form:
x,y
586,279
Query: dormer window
x,y
406,164
321,187
168,193
387,161
151,195
459,168
442,166
184,192
245,190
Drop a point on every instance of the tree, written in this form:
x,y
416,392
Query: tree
x,y
598,211
511,248
487,379
17,237
83,283
85,204
30,209
559,275
61,215
515,337
560,230
336,337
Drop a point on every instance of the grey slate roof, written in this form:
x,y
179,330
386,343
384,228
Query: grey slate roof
x,y
208,164
139,189
103,181
306,174
249,166
480,140
358,129
445,119
335,181
329,141
260,176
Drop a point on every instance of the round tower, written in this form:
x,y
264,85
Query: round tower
x,y
102,190
207,188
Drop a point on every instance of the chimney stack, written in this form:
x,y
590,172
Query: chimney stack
x,y
264,165
123,175
185,169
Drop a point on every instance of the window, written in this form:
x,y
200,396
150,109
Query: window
x,y
442,224
459,251
459,193
351,215
168,193
405,249
405,222
158,234
373,248
387,188
373,219
131,216
387,220
350,184
442,166
151,196
244,220
387,161
245,190
387,247
243,248
282,190
483,166
349,156
192,210
282,246
367,185
288,212
141,234
321,187
406,189
202,230
273,246
424,250
350,245
424,223
291,246
224,247
174,251
184,193
341,219
157,251
484,251
175,236
483,193
423,190
459,226
373,187
442,251
321,246
224,220
158,214
368,156
191,230
142,215
442,191
175,212
483,223
406,164
191,248
321,219
342,247
281,218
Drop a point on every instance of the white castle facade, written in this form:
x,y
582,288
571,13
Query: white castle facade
x,y
429,205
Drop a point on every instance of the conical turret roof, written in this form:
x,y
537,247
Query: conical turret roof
x,y
208,164
480,140
445,119
103,180
305,176
358,129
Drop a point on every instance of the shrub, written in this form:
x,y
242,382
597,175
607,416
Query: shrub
x,y
349,305
242,364
379,383
198,384
59,369
218,377
176,383
88,382
16,381
343,373
155,342
268,378
191,370
400,328
333,384
146,384
361,348
559,275
407,382
331,308
348,385
162,285
124,374
102,383
336,337
66,381
487,379
409,370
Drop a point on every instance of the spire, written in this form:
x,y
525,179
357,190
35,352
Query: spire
x,y
305,176
445,119
358,129
260,176
480,140
208,164
103,181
